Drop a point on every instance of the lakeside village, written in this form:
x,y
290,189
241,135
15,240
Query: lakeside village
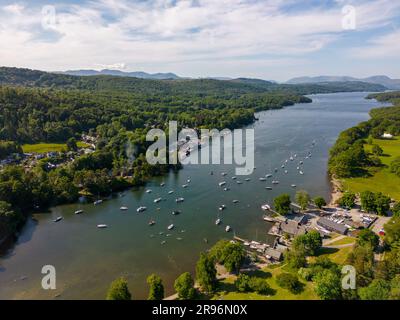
x,y
332,223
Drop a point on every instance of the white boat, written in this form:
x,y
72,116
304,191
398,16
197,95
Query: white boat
x,y
221,184
222,207
301,172
239,182
267,218
301,162
149,191
152,223
162,184
141,209
223,174
293,186
57,219
226,189
282,166
233,178
266,206
170,192
268,175
157,200
78,211
262,179
97,202
291,158
101,226
228,228
188,180
170,227
286,171
218,222
123,208
184,186
298,168
235,201
268,188
247,179
275,182
176,212
179,200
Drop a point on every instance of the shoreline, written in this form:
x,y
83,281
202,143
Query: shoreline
x,y
336,191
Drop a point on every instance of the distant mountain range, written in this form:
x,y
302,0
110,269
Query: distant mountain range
x,y
136,74
389,83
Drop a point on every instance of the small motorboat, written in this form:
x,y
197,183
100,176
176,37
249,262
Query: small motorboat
x,y
268,175
275,182
266,206
176,212
286,172
301,162
222,207
152,223
301,172
228,228
157,200
171,192
123,208
141,209
179,200
222,183
239,182
57,219
162,184
233,178
170,227
282,166
235,201
97,202
294,186
268,218
184,186
149,191
78,211
226,189
262,179
188,180
247,179
102,226
163,242
268,188
218,222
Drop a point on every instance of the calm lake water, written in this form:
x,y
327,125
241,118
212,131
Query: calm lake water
x,y
87,259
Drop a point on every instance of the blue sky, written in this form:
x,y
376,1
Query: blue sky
x,y
268,39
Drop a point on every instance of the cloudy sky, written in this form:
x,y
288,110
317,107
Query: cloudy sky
x,y
268,39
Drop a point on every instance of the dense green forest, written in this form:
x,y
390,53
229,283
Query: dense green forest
x,y
348,157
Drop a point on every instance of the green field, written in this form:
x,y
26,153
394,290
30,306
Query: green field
x,y
381,179
48,147
228,291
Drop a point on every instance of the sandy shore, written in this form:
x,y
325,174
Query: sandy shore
x,y
336,192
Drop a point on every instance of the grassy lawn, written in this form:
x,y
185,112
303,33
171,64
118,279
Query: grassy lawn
x,y
228,291
48,147
381,180
336,255
345,240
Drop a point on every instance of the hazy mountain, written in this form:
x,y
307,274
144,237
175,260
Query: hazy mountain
x,y
389,83
136,74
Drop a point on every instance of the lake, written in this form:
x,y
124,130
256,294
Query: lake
x,y
87,259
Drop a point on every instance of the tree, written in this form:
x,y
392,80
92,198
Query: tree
x,y
9,218
395,288
206,273
242,283
362,259
295,258
392,232
71,144
290,282
377,150
382,203
282,204
347,200
378,289
368,203
156,288
328,285
184,286
319,202
368,237
302,199
310,242
119,290
396,209
233,256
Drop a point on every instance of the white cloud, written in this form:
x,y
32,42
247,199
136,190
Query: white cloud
x,y
161,34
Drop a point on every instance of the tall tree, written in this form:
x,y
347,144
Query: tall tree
x,y
282,204
302,199
206,274
156,288
119,290
184,286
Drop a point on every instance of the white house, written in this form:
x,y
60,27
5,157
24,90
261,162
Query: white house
x,y
387,136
